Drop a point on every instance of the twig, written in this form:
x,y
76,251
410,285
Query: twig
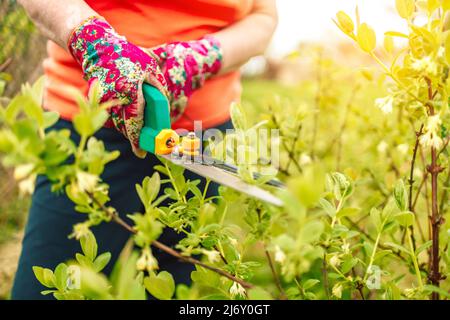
x,y
326,284
435,220
224,260
359,285
276,278
5,64
291,158
411,188
419,189
413,163
116,218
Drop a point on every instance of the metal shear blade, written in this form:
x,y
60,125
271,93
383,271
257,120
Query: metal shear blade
x,y
226,179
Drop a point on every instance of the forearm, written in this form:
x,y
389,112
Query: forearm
x,y
248,37
55,18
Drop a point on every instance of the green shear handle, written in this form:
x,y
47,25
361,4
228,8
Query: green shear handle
x,y
157,136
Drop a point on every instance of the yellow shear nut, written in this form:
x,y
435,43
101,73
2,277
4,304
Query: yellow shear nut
x,y
190,145
165,141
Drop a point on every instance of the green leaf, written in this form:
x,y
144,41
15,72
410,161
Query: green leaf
x,y
83,260
128,284
205,277
308,188
348,212
375,217
50,118
381,254
348,264
312,231
401,196
238,117
161,286
149,189
13,108
430,288
89,246
328,207
258,293
423,247
214,297
47,292
101,261
183,292
398,247
45,276
94,285
310,283
61,276
405,219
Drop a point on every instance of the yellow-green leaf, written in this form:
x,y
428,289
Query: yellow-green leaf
x,y
405,8
445,5
367,39
432,5
396,34
161,286
405,219
345,23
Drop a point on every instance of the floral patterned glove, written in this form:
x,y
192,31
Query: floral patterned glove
x,y
186,66
121,68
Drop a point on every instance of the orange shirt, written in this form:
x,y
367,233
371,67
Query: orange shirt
x,y
148,23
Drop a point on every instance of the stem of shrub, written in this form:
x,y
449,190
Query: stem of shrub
x,y
276,278
435,220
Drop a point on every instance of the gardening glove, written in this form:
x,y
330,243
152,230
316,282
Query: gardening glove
x,y
186,67
121,68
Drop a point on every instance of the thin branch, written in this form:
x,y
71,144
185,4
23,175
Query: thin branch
x,y
436,219
5,64
326,283
359,285
276,278
222,257
419,189
411,187
292,157
413,163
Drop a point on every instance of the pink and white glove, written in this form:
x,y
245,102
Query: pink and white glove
x,y
121,68
186,66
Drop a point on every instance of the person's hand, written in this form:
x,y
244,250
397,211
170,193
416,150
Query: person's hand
x,y
121,68
186,67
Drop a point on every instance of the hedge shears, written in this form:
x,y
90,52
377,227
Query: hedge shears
x,y
157,137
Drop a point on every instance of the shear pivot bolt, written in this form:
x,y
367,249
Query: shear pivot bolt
x,y
191,144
